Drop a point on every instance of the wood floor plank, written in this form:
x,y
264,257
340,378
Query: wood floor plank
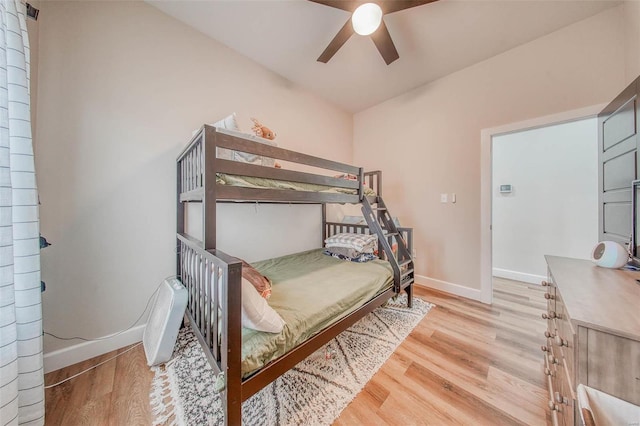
x,y
130,403
531,398
476,386
459,398
465,363
91,399
85,395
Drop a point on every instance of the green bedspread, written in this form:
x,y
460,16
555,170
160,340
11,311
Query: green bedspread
x,y
256,182
310,292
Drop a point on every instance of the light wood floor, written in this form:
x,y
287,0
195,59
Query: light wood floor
x,y
465,363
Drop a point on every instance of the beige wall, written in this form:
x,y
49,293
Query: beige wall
x,y
121,88
632,39
427,141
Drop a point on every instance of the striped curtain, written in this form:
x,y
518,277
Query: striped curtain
x,y
21,372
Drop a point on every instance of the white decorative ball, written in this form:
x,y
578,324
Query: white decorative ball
x,y
609,254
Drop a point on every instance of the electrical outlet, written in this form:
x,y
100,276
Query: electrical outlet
x,y
444,198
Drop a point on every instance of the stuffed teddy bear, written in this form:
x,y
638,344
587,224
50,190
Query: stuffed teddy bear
x,y
262,131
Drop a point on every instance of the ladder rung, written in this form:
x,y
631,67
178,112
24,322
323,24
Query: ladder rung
x,y
391,234
379,208
407,272
406,281
405,263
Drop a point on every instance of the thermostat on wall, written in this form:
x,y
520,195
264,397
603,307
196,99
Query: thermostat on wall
x,y
505,189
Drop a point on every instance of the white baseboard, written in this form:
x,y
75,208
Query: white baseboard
x,y
457,289
518,276
70,355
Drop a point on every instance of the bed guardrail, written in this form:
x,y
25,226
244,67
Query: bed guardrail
x,y
201,156
191,169
373,180
202,274
213,280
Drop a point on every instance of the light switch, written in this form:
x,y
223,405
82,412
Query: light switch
x,y
453,197
444,198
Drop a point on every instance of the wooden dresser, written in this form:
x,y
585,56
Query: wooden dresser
x,y
593,334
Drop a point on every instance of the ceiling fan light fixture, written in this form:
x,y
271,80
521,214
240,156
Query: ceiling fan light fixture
x,y
366,18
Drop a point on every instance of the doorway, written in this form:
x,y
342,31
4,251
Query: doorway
x,y
544,197
550,206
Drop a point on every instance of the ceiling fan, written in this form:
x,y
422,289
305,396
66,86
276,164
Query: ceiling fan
x,y
366,19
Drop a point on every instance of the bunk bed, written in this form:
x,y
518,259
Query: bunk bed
x,y
213,278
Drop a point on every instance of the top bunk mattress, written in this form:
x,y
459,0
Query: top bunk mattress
x,y
310,291
264,183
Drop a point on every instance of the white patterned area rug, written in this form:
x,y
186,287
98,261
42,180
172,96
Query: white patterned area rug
x,y
314,392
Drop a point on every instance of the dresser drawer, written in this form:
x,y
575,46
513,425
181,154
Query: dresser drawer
x,y
550,370
550,294
564,338
561,401
565,400
613,365
556,368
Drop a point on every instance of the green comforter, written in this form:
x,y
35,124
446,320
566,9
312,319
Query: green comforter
x,y
310,292
256,182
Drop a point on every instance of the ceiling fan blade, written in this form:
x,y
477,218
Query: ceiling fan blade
x,y
383,42
391,6
347,5
341,38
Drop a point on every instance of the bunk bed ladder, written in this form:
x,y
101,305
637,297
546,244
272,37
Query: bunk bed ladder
x,y
381,223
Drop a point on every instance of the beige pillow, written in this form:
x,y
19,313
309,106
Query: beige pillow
x,y
256,312
228,123
261,283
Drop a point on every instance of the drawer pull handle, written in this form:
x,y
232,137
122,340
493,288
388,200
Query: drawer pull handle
x,y
549,296
544,348
553,406
548,335
561,342
544,284
552,359
548,372
550,315
561,399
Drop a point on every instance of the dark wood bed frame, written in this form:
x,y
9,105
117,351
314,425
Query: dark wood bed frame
x,y
204,269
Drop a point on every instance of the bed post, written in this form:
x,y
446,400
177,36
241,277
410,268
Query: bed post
x,y
409,290
209,183
361,182
232,346
324,224
179,214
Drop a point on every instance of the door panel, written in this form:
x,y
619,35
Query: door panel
x,y
617,164
620,125
617,220
619,171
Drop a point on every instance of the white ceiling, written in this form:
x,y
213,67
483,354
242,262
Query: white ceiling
x,y
433,40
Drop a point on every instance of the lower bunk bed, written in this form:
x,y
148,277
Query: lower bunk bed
x,y
311,291
317,296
